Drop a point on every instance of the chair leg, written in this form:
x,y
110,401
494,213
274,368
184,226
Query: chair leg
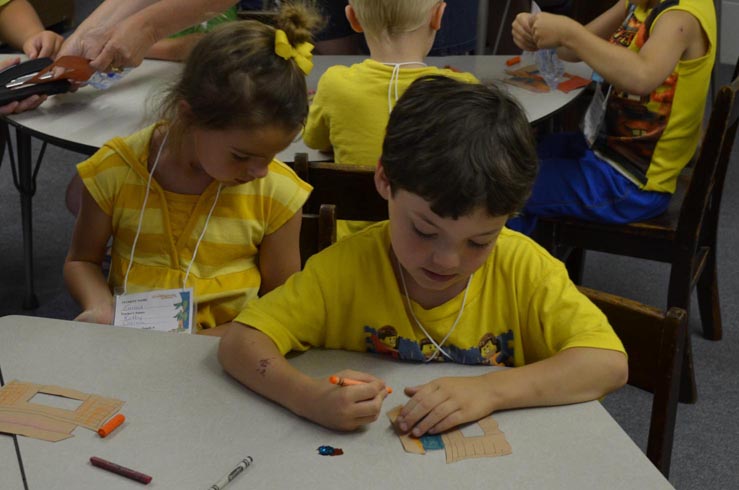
x,y
575,264
688,386
708,301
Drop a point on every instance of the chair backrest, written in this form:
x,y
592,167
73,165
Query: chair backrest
x,y
317,231
351,188
655,343
703,196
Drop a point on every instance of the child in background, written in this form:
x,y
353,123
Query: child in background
x,y
458,159
657,56
197,200
352,104
21,28
177,46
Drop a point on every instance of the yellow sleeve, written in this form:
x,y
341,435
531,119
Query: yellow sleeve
x,y
103,175
287,195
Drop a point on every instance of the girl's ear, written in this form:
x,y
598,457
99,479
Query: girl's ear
x,y
382,184
184,111
351,16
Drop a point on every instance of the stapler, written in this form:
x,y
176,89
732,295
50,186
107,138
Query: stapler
x,y
42,76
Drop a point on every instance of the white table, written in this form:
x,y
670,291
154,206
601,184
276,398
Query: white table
x,y
10,472
188,423
83,121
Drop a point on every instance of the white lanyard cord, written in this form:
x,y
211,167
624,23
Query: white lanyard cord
x,y
141,220
394,77
143,208
454,325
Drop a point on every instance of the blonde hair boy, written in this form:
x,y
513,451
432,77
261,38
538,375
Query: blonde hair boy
x,y
394,16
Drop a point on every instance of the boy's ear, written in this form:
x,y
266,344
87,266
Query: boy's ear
x,y
351,16
382,184
436,14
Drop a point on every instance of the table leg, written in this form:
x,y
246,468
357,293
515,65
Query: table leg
x,y
27,188
482,26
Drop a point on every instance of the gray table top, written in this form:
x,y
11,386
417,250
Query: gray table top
x,y
188,423
90,117
10,472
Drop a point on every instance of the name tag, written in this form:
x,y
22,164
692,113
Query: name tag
x,y
165,310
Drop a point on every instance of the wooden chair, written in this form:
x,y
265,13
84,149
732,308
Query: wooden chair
x,y
317,231
654,342
684,236
351,188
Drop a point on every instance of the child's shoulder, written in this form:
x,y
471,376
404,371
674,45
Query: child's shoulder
x,y
368,246
519,255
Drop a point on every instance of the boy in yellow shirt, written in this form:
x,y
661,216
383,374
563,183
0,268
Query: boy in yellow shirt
x,y
458,159
352,104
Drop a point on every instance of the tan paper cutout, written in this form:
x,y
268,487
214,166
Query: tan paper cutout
x,y
19,416
457,446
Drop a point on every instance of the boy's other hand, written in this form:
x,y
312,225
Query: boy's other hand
x,y
443,404
522,34
346,408
45,44
550,30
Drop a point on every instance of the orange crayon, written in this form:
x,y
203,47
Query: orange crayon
x,y
349,382
513,61
111,425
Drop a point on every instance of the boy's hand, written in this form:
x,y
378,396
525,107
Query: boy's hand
x,y
102,314
550,30
522,33
45,44
346,407
445,403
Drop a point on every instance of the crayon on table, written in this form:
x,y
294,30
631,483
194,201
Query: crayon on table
x,y
111,425
350,382
244,464
120,470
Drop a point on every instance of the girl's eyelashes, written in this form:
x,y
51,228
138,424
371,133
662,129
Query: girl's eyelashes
x,y
474,244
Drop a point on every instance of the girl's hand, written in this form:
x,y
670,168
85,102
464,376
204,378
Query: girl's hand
x,y
102,314
444,403
522,34
45,44
345,408
550,30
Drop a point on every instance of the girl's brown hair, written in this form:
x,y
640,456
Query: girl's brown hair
x,y
234,79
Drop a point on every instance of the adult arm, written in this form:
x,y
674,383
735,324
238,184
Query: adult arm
x,y
83,273
120,32
254,360
570,376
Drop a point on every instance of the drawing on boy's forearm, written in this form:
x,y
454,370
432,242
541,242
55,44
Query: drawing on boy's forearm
x,y
263,364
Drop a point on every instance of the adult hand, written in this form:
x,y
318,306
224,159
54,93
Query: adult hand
x,y
42,45
550,30
345,407
18,106
445,403
522,34
123,45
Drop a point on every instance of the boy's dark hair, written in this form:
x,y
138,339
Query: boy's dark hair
x,y
234,79
459,146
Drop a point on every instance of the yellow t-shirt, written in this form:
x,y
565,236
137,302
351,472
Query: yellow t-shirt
x,y
350,109
225,274
4,2
651,138
521,307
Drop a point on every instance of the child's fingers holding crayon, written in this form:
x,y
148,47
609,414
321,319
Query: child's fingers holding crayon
x,y
346,381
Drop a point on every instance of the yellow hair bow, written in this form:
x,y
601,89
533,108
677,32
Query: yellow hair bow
x,y
300,53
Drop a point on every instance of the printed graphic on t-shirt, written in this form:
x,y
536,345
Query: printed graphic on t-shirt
x,y
634,124
493,350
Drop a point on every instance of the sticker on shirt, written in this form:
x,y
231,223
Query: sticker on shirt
x,y
491,349
165,310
